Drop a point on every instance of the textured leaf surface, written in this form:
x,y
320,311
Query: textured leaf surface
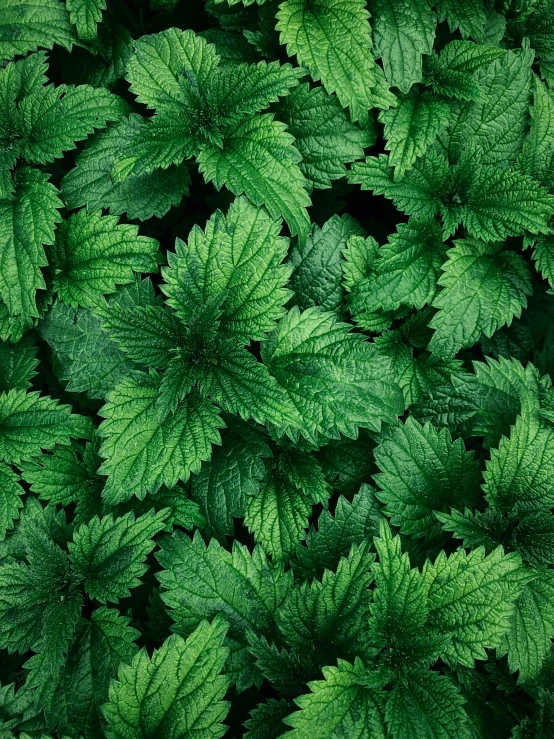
x,y
26,26
176,692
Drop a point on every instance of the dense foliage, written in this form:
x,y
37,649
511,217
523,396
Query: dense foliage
x,y
277,340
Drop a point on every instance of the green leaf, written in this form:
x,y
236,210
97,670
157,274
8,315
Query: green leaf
x,y
346,703
27,222
160,62
332,38
472,598
234,473
402,32
411,127
237,257
86,14
317,263
334,378
496,124
325,619
10,498
418,193
495,203
538,150
265,720
277,517
93,253
27,25
89,360
423,471
140,453
29,423
528,639
484,288
108,554
323,134
201,581
353,523
452,73
142,196
67,475
75,694
54,118
249,88
258,159
242,385
304,472
427,704
403,272
520,473
18,363
40,604
470,18
176,692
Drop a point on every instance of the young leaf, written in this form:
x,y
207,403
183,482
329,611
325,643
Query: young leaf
x,y
173,693
238,257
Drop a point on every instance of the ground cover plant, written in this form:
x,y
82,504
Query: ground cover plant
x,y
276,361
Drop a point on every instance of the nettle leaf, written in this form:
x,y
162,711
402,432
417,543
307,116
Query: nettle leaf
x,y
258,159
234,472
85,15
411,127
26,26
27,222
427,704
54,118
332,38
470,19
329,617
353,523
140,453
334,378
75,694
323,134
528,640
108,554
347,702
317,263
30,423
201,581
18,363
484,288
265,720
238,257
10,498
472,597
452,73
93,253
177,691
519,475
402,32
496,124
140,196
538,150
402,272
278,516
423,471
